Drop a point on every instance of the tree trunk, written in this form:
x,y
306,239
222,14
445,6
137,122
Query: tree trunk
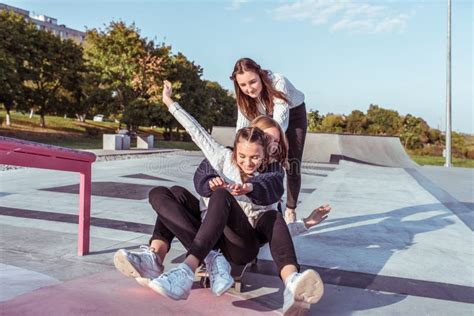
x,y
32,112
81,117
8,122
42,122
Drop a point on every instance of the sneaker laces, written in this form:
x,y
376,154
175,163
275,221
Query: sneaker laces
x,y
145,248
176,274
150,255
219,267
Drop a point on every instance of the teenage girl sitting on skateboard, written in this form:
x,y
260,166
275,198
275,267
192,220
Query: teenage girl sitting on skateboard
x,y
207,180
232,222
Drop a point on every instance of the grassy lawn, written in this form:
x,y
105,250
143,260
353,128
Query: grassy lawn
x,y
68,132
439,161
22,122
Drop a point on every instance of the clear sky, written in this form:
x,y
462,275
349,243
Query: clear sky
x,y
343,55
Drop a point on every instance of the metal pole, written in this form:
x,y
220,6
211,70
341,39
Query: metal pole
x,y
448,94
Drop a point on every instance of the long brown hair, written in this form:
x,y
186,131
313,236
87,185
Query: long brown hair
x,y
247,104
281,155
251,135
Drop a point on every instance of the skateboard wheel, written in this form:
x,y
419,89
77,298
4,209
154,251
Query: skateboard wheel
x,y
238,286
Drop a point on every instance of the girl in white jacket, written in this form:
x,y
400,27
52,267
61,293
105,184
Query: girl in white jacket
x,y
233,223
260,91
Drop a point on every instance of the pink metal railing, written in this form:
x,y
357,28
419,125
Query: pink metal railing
x,y
35,155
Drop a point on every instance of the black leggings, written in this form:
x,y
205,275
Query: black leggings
x,y
225,227
296,134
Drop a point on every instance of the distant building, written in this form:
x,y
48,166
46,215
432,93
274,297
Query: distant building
x,y
47,23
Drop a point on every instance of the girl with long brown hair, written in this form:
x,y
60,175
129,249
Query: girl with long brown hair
x,y
228,219
259,91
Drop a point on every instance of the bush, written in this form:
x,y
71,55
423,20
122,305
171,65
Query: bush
x,y
459,152
432,150
92,131
159,136
185,137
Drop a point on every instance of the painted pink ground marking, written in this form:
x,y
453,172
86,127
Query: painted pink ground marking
x,y
110,293
35,155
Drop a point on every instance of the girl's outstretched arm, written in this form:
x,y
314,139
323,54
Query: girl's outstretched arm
x,y
213,151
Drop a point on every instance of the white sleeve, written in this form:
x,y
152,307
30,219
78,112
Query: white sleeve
x,y
242,121
297,228
281,114
281,109
212,150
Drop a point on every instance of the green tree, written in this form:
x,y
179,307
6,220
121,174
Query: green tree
x,y
190,88
130,68
333,123
382,121
221,106
459,145
91,97
314,120
54,69
114,54
435,136
357,122
414,132
15,50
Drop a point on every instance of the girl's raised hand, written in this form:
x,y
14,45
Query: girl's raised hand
x,y
167,92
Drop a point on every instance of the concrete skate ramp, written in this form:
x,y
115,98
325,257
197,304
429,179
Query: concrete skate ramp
x,y
331,148
374,150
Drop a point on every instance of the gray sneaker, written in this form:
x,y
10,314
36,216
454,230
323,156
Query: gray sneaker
x,y
143,266
175,284
302,290
219,272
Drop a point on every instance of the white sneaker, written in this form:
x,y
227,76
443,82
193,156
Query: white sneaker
x,y
219,272
175,284
302,289
143,266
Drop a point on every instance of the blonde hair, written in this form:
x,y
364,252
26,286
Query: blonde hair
x,y
281,155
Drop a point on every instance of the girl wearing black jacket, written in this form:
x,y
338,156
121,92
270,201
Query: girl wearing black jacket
x,y
232,222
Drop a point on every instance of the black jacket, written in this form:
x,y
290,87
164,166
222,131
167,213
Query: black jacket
x,y
267,186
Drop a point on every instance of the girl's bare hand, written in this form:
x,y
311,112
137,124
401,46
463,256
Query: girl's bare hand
x,y
317,216
216,183
240,189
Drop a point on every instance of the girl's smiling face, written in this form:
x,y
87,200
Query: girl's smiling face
x,y
249,83
249,156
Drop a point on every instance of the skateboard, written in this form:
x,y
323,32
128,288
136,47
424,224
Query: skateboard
x,y
237,272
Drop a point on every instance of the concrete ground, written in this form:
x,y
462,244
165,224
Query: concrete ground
x,y
398,241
